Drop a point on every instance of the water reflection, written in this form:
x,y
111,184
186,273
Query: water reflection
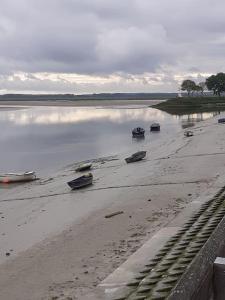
x,y
68,115
44,138
192,119
138,139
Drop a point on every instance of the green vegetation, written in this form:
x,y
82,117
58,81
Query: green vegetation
x,y
191,86
195,100
188,105
215,83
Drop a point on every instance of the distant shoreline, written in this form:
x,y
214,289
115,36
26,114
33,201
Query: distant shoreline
x,y
92,97
18,103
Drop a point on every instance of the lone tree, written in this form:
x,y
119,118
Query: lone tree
x,y
216,83
188,85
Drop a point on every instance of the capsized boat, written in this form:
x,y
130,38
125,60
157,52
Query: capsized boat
x,y
138,132
136,156
84,167
155,127
17,177
81,181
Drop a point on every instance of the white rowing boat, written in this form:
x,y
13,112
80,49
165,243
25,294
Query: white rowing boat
x,y
17,177
84,167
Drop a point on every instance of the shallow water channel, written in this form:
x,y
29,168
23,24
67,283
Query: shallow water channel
x,y
47,138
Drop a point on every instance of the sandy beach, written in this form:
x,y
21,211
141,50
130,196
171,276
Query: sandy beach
x,y
61,245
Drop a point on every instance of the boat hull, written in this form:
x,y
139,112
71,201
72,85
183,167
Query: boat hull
x,y
141,135
13,177
136,157
81,182
138,132
155,127
84,167
188,133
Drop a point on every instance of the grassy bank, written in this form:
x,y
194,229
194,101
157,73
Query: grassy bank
x,y
188,105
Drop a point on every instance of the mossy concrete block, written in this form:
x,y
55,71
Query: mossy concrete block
x,y
196,282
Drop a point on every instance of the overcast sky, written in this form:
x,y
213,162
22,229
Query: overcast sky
x,y
85,46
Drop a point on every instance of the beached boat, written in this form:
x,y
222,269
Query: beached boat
x,y
155,127
138,132
17,177
136,156
188,133
81,181
221,120
84,167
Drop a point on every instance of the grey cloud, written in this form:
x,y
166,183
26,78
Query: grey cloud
x,y
124,83
113,36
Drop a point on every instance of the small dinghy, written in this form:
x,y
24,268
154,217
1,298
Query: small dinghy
x,y
84,167
155,127
221,120
136,156
81,181
17,177
138,132
188,133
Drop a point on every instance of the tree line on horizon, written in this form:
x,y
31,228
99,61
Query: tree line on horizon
x,y
214,83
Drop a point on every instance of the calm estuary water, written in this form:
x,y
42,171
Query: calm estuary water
x,y
46,138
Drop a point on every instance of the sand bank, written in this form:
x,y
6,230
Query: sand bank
x,y
60,243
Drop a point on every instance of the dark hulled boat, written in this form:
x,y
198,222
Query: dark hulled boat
x,y
81,181
138,132
155,127
188,133
136,156
221,120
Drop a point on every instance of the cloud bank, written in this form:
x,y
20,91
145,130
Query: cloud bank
x,y
129,45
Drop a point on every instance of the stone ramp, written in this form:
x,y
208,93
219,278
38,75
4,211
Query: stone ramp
x,y
177,262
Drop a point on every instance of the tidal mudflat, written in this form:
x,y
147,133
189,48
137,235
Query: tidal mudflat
x,y
56,242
